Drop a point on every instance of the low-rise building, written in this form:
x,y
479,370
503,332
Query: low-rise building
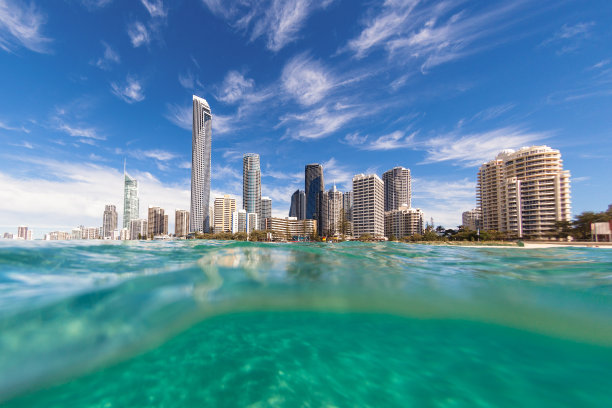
x,y
472,219
403,222
290,228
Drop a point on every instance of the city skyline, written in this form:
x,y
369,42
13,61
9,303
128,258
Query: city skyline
x,y
325,91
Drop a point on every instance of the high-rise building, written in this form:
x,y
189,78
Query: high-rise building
x,y
524,192
403,222
398,191
240,221
139,229
157,222
347,205
130,199
472,219
251,183
224,208
332,209
200,165
314,186
368,206
109,221
22,232
266,212
181,223
298,205
253,223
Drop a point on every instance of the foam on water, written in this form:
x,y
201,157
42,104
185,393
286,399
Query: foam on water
x,y
67,309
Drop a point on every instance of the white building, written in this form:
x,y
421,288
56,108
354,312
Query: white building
x,y
139,229
398,189
368,206
251,183
472,219
224,208
200,166
109,221
403,222
266,211
239,221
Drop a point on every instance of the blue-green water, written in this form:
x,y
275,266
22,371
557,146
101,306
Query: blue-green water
x,y
242,324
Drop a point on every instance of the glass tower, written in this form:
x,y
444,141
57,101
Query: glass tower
x,y
130,199
200,166
298,205
251,183
314,187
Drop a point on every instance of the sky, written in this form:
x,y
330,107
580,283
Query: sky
x,y
438,87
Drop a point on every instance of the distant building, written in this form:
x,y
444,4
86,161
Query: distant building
x,y
239,221
139,229
332,209
472,219
253,223
124,234
601,231
181,223
211,217
347,204
109,221
314,186
403,222
224,208
298,205
130,199
398,190
524,192
90,233
22,232
201,144
368,206
251,183
157,222
58,236
266,211
8,235
290,228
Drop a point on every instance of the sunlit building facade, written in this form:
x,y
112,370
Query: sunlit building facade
x,y
201,144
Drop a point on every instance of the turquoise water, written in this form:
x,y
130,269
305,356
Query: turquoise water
x,y
97,324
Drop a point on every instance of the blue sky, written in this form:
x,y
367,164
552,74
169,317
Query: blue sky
x,y
435,86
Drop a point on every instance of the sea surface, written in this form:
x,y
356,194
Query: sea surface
x,y
238,324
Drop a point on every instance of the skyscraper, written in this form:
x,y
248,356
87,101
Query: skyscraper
x,y
347,204
224,208
368,205
200,166
251,183
157,222
313,187
524,192
109,221
331,212
397,188
266,212
298,205
181,223
130,199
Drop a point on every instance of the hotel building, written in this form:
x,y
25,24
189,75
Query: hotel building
x,y
398,190
224,208
368,206
200,166
289,228
157,222
181,223
251,183
403,222
109,221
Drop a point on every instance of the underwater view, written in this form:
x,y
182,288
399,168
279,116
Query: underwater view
x,y
213,323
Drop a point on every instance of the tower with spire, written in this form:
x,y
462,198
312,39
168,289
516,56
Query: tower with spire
x,y
130,198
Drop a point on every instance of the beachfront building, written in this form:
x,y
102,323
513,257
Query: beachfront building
x,y
398,190
403,222
58,236
22,232
224,207
199,220
266,212
130,199
368,206
253,223
251,183
314,186
139,229
332,208
240,221
181,223
109,221
124,234
290,228
157,222
298,205
524,192
472,219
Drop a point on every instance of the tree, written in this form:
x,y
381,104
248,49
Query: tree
x,y
582,223
563,229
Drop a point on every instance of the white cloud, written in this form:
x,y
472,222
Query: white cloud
x,y
25,144
477,148
305,80
109,58
139,35
131,91
21,25
394,140
64,195
94,4
156,154
444,200
334,172
155,7
319,122
354,139
571,36
493,112
12,128
81,132
235,88
279,21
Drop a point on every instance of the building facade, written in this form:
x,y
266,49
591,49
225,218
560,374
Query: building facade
x,y
240,221
403,222
314,186
253,223
224,208
109,221
201,144
181,223
131,204
251,183
525,192
368,206
266,212
290,228
472,219
157,222
22,232
298,205
139,229
332,212
398,188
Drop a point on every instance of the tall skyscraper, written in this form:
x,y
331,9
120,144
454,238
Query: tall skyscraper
x,y
224,208
266,212
251,183
398,191
368,206
524,192
157,222
331,212
130,199
109,221
181,223
200,165
314,185
298,205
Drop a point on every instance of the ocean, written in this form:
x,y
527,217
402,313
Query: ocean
x,y
240,324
